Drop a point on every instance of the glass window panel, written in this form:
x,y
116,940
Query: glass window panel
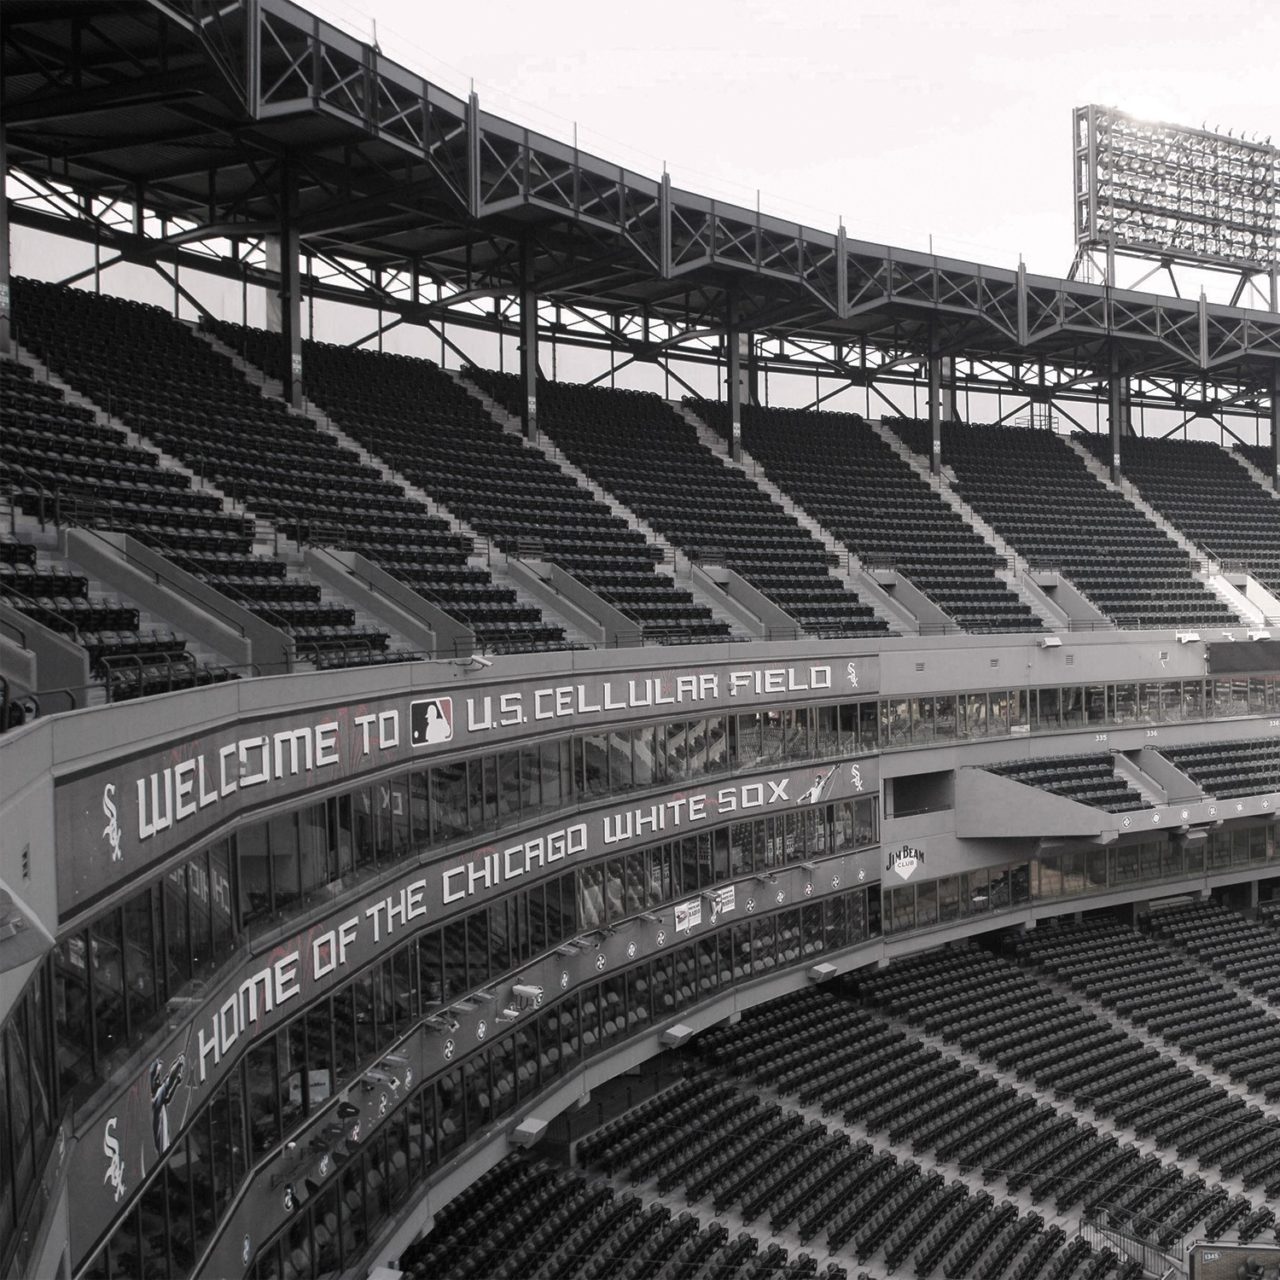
x,y
451,1118
449,801
141,939
292,1051
591,896
431,966
1095,704
976,895
975,715
717,734
500,930
182,1243
897,724
948,899
254,874
365,1010
748,739
477,949
177,897
509,786
200,1157
530,781
595,764
772,735
868,727
633,883
107,964
365,835
1124,703
455,959
997,717
352,1211
395,796
327,1234
614,892
420,809
642,756
153,1222
476,1091
1047,709
263,1096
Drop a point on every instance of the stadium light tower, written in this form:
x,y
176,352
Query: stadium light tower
x,y
1171,194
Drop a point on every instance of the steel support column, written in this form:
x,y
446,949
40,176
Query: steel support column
x,y
935,408
1275,429
6,339
1117,411
737,343
949,390
528,346
284,308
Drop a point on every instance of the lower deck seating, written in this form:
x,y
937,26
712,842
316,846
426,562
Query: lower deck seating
x,y
1174,999
1241,950
533,1221
986,1006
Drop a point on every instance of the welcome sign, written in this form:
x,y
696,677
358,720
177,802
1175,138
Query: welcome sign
x,y
117,821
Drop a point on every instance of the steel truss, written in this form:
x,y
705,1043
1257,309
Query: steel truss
x,y
182,133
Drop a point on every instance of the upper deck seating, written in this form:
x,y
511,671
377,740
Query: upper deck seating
x,y
1087,779
434,432
1208,496
172,388
634,445
49,447
840,471
1226,769
1038,494
1258,454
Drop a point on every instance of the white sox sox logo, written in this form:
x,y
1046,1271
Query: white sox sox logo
x,y
111,832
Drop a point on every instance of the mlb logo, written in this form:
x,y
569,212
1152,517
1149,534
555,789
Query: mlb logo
x,y
430,721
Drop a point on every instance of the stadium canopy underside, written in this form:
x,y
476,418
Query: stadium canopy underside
x,y
196,132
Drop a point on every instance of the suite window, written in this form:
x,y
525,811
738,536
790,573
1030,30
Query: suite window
x,y
449,801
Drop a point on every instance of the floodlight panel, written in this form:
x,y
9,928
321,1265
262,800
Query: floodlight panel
x,y
1166,191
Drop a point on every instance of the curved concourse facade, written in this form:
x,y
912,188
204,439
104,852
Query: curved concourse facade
x,y
302,956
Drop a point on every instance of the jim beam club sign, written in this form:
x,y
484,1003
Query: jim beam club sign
x,y
905,862
140,809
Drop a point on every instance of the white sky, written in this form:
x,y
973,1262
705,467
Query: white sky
x,y
910,119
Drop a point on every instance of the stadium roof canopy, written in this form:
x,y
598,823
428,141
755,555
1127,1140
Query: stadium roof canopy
x,y
175,131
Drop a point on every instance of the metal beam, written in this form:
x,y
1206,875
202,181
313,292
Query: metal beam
x,y
1275,431
6,337
528,345
735,339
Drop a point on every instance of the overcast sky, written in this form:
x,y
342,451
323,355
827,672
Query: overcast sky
x,y
909,118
